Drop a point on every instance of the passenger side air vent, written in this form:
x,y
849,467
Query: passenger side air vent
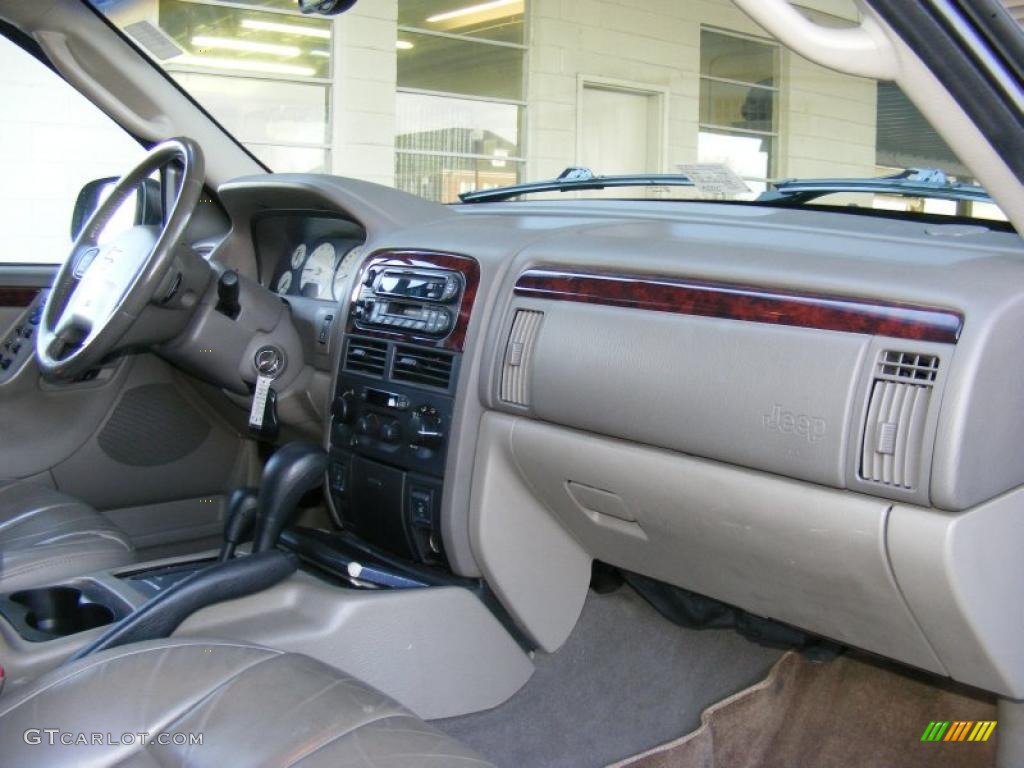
x,y
515,369
908,366
422,366
366,356
897,411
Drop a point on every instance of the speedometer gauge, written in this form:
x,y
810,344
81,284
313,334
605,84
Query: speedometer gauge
x,y
298,256
284,282
343,271
316,275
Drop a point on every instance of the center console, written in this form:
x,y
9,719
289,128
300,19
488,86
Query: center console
x,y
394,398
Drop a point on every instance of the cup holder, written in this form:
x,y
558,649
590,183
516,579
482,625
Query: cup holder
x,y
60,611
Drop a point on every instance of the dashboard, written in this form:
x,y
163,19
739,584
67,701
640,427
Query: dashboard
x,y
788,411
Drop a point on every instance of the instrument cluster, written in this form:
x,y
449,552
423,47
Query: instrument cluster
x,y
318,269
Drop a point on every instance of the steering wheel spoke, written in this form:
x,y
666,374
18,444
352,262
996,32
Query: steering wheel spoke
x,y
101,289
70,334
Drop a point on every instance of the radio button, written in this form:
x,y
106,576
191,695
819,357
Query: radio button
x,y
451,287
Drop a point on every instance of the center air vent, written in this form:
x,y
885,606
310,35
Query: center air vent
x,y
366,356
422,366
897,412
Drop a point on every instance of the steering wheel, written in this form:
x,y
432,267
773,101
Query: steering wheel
x,y
101,290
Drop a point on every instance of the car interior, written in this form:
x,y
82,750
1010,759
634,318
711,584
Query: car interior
x,y
329,473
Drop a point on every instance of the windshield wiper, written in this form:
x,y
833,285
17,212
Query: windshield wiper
x,y
575,178
913,182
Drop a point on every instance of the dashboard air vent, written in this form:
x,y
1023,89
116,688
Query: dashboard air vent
x,y
515,369
422,366
366,356
908,366
897,411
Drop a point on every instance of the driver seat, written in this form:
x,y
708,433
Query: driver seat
x,y
47,537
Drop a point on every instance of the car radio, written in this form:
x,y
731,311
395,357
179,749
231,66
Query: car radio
x,y
422,301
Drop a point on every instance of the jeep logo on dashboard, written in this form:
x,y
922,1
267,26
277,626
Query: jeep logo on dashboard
x,y
810,428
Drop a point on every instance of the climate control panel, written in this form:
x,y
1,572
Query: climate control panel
x,y
388,445
401,425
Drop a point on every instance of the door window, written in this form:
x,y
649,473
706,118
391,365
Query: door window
x,y
52,142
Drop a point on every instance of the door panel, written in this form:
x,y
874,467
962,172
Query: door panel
x,y
137,440
155,443
19,286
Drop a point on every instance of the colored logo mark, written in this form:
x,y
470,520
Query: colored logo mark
x,y
959,730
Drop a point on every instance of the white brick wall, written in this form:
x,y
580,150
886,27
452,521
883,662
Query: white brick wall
x,y
365,65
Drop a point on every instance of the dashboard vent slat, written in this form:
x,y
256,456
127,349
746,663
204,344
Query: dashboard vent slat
x,y
366,356
515,368
908,366
893,436
422,366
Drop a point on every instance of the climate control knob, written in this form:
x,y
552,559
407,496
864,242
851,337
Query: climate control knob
x,y
342,407
427,427
368,425
390,432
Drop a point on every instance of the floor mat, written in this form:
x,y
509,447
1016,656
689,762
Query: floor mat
x,y
625,680
844,714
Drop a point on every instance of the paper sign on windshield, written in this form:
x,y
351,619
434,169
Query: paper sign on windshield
x,y
714,179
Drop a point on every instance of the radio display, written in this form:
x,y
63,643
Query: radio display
x,y
394,309
412,286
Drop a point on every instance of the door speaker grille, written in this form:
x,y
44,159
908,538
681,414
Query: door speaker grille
x,y
152,425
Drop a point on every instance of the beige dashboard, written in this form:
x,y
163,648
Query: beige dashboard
x,y
810,415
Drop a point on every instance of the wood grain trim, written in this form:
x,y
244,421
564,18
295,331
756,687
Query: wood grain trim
x,y
17,295
748,303
466,265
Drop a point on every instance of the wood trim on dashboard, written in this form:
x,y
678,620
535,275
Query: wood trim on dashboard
x,y
17,295
467,266
733,301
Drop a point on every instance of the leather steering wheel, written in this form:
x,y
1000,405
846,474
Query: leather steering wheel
x,y
101,290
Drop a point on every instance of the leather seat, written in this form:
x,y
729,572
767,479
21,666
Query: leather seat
x,y
46,537
252,706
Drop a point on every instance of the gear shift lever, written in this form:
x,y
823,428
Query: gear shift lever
x,y
238,521
290,473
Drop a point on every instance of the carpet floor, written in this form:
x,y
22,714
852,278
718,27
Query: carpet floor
x,y
625,681
846,713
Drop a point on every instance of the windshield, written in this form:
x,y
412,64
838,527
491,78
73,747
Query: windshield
x,y
444,97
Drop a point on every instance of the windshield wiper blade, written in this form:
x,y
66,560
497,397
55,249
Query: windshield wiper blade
x,y
575,178
914,182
